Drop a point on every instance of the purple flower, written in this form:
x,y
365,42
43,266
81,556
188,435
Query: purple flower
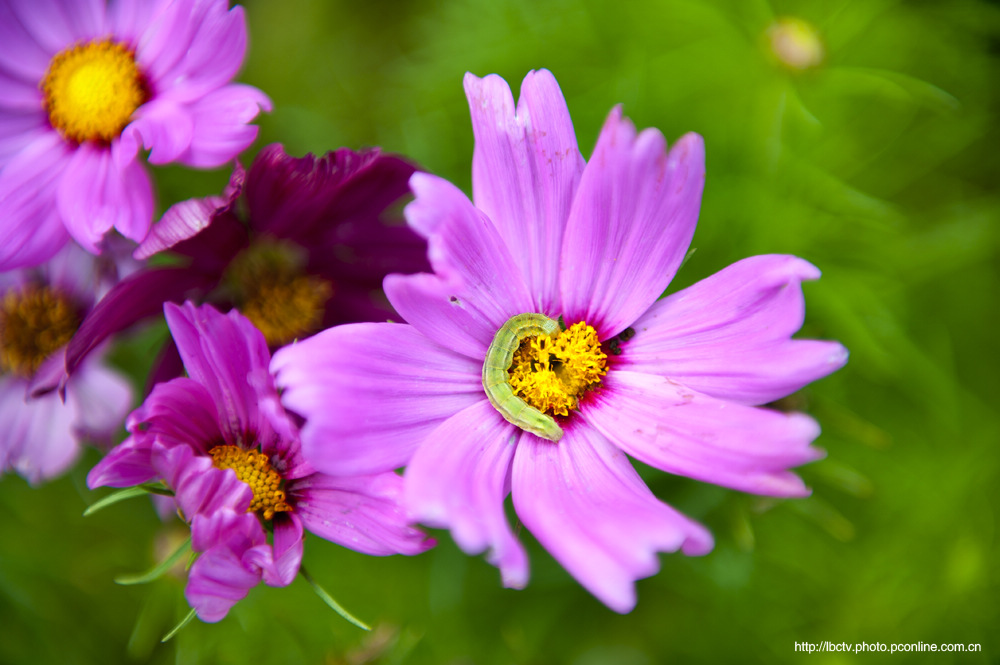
x,y
84,85
40,309
309,252
221,441
672,382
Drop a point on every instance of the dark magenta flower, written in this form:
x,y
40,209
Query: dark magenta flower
x,y
85,85
296,244
538,355
220,440
40,309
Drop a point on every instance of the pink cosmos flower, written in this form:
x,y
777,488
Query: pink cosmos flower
x,y
84,84
220,440
40,309
297,244
537,355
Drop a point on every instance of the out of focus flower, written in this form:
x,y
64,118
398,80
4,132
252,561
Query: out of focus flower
x,y
40,309
795,43
84,85
537,354
220,440
310,251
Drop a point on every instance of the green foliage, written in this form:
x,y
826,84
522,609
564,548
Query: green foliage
x,y
880,166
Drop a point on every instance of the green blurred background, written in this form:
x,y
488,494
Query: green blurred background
x,y
879,164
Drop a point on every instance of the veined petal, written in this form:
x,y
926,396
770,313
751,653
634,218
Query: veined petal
x,y
127,464
476,287
56,24
587,506
728,336
212,58
22,54
32,231
370,392
95,195
221,351
525,171
220,124
632,221
189,218
359,512
458,479
669,426
178,412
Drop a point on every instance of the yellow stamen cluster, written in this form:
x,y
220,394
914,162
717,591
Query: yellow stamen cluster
x,y
252,467
272,291
552,372
35,321
91,90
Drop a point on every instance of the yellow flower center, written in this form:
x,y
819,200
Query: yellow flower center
x,y
252,467
35,321
271,289
91,90
552,372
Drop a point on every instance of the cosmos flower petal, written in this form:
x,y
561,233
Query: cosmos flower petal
x,y
220,352
213,57
199,487
728,336
128,19
632,221
220,122
101,399
161,126
226,570
525,171
127,464
587,506
22,55
55,23
17,128
32,231
138,296
280,565
476,286
97,194
335,204
37,441
459,478
671,427
180,412
359,512
187,219
390,387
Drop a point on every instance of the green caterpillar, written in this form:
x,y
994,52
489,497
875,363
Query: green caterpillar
x,y
498,359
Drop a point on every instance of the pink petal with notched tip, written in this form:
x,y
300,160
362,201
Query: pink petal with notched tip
x,y
458,479
587,506
671,427
631,223
729,335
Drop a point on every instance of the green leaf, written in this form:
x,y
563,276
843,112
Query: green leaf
x,y
115,497
328,599
185,621
157,570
